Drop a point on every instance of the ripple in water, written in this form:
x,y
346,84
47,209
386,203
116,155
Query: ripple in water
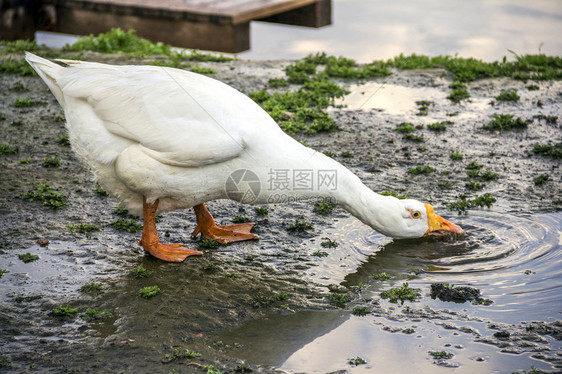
x,y
514,260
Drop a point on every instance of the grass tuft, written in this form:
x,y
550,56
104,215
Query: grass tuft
x,y
548,150
148,292
402,293
505,122
46,195
127,225
28,257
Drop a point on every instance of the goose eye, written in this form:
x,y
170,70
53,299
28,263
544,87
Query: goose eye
x,y
416,214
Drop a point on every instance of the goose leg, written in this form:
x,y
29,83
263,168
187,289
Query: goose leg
x,y
223,234
151,243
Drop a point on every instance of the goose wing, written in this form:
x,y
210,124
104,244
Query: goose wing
x,y
178,117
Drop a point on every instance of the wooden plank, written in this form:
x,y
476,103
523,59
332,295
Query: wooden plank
x,y
228,11
181,33
318,14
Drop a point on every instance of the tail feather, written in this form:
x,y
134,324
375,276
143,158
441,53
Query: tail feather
x,y
49,72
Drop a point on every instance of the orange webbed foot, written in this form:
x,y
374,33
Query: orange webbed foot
x,y
151,242
170,252
223,234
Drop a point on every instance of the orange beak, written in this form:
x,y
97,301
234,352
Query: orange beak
x,y
437,223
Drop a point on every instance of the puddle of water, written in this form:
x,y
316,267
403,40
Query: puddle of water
x,y
62,267
494,256
318,351
391,98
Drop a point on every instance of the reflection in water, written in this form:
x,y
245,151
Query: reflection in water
x,y
378,29
392,98
515,261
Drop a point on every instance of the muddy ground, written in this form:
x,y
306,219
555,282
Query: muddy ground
x,y
233,284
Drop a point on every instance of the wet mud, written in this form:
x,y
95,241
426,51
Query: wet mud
x,y
262,305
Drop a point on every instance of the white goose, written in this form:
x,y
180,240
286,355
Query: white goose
x,y
161,139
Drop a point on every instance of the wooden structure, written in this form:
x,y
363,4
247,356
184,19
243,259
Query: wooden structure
x,y
219,25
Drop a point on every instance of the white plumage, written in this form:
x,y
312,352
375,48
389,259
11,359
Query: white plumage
x,y
175,136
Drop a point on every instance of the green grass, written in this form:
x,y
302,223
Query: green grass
x,y
474,165
459,92
121,211
405,128
194,55
45,194
264,299
64,141
421,170
508,96
300,111
240,219
19,46
28,257
91,287
328,243
92,314
548,150
19,87
2,272
64,311
552,120
180,353
444,185
320,254
360,311
342,67
505,122
402,293
338,299
423,107
84,228
488,175
100,191
262,211
208,243
119,41
202,70
51,162
486,200
463,203
149,291
356,361
7,150
128,225
455,156
16,66
26,102
441,355
414,138
541,179
474,186
439,126
299,226
141,272
381,276
323,207
536,67
277,83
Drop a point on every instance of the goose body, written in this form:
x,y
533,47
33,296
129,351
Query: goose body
x,y
171,139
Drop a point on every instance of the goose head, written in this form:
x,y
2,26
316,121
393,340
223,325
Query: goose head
x,y
404,219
